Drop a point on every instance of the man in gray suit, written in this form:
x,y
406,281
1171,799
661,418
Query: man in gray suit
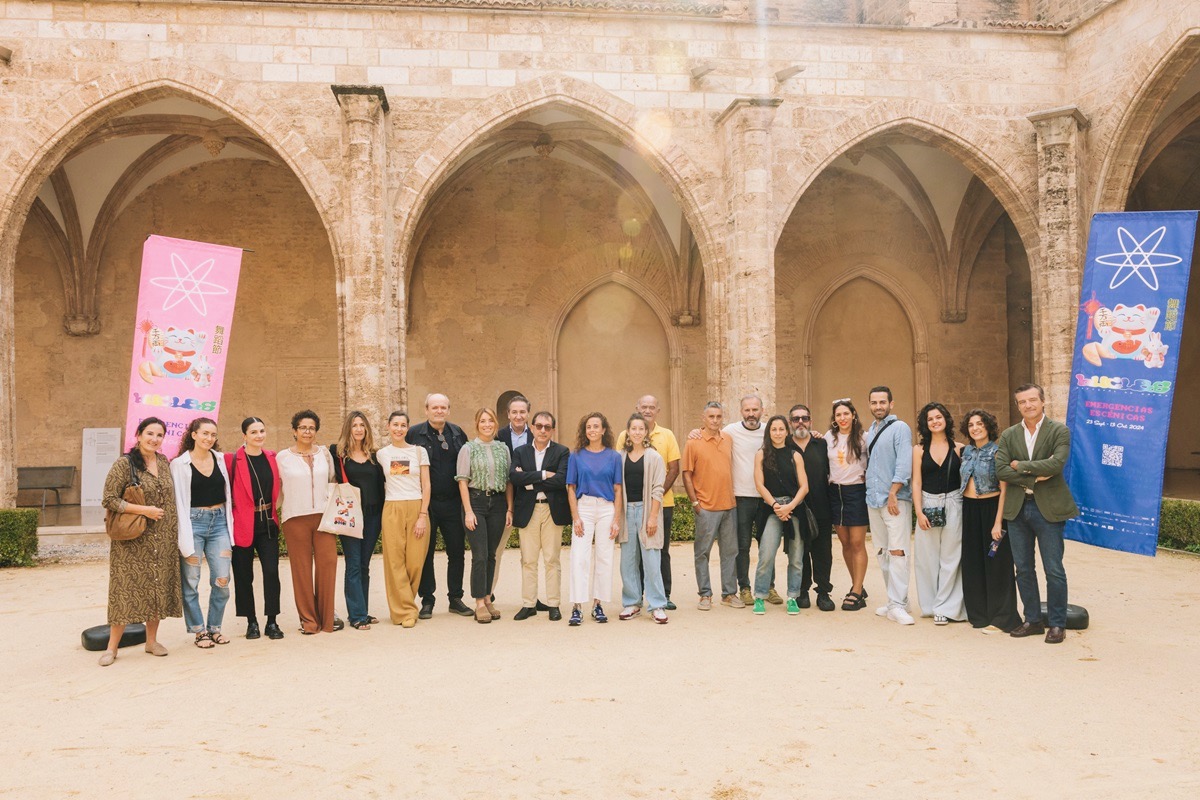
x,y
1030,459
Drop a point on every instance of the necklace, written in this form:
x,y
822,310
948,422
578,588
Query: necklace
x,y
257,482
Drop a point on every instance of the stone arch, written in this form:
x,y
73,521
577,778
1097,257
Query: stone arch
x,y
1143,96
648,296
40,145
1013,180
908,303
433,167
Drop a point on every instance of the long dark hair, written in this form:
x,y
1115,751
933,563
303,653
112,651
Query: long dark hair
x,y
924,434
768,448
856,429
581,440
135,452
188,442
646,443
989,422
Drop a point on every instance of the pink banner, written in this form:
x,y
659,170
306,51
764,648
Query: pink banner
x,y
181,334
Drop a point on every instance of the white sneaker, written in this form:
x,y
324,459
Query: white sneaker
x,y
629,612
659,616
939,619
901,616
881,611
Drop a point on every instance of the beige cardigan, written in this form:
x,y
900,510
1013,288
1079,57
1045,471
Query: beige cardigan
x,y
655,474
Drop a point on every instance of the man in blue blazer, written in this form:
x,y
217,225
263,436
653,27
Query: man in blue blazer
x,y
540,510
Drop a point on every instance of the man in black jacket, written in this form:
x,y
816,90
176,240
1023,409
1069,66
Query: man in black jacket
x,y
818,554
442,439
540,510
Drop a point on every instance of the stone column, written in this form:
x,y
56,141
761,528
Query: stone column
x,y
1061,225
746,291
365,280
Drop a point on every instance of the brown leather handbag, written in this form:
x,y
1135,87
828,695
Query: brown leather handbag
x,y
125,526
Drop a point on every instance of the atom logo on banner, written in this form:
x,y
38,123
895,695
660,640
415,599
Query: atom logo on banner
x,y
1135,257
190,286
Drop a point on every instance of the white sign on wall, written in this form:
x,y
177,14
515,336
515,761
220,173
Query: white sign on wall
x,y
101,447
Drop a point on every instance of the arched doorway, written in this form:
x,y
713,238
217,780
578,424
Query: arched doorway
x,y
946,304
538,211
611,350
1166,177
172,165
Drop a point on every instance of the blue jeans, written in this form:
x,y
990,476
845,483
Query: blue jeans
x,y
768,546
357,554
633,556
1029,527
721,527
210,536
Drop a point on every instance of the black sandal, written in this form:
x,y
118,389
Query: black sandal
x,y
853,602
204,641
361,625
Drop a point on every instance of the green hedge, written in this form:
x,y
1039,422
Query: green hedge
x,y
18,537
1179,525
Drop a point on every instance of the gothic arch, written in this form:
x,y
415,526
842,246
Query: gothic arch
x,y
902,296
647,295
434,167
1143,96
40,145
1007,171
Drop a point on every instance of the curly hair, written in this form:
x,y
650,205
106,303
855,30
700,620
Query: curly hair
x,y
989,422
856,429
300,416
188,441
924,435
581,440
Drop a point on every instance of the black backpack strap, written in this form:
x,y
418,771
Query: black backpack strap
x,y
875,439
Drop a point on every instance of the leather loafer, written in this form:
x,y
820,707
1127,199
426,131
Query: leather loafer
x,y
1028,629
803,601
1055,635
555,614
541,606
525,613
273,631
252,631
670,606
457,606
426,611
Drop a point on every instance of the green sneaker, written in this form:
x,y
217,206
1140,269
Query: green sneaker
x,y
793,608
759,606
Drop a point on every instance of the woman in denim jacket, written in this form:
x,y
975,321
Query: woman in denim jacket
x,y
989,591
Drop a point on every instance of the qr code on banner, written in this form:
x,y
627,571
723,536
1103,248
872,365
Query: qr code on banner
x,y
1113,455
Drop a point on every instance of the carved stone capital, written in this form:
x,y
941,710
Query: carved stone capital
x,y
81,324
1058,126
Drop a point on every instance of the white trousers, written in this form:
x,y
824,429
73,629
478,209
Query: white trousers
x,y
592,577
939,561
890,532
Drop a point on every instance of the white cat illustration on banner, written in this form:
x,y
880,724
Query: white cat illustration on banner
x,y
1126,332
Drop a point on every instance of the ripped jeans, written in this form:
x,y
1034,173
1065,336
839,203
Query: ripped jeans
x,y
211,537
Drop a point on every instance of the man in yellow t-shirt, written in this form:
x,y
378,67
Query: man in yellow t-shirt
x,y
665,444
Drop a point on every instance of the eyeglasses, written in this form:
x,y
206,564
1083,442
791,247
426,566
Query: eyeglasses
x,y
801,419
543,426
442,439
307,429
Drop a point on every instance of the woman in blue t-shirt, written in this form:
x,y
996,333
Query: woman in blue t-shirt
x,y
594,492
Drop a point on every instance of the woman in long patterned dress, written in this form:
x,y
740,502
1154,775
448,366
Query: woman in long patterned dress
x,y
143,573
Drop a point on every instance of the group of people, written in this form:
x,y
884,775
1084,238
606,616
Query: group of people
x,y
774,482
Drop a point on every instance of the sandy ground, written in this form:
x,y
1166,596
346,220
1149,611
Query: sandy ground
x,y
714,705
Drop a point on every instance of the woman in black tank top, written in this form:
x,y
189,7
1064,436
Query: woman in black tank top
x,y
782,482
937,495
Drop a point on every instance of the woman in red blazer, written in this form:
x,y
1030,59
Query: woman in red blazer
x,y
255,478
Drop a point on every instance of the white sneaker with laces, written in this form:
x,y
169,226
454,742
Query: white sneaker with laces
x,y
881,611
629,612
659,615
901,616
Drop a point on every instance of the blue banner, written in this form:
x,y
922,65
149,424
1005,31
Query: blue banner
x,y
1126,355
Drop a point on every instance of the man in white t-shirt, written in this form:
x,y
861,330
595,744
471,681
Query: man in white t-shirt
x,y
747,438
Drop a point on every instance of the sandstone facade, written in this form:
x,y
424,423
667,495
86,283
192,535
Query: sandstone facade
x,y
582,200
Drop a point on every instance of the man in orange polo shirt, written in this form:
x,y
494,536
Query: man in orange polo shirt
x,y
708,479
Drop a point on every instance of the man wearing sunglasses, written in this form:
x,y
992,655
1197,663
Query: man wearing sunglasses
x,y
540,510
818,554
442,439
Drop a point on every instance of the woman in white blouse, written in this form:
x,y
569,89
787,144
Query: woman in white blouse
x,y
305,470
